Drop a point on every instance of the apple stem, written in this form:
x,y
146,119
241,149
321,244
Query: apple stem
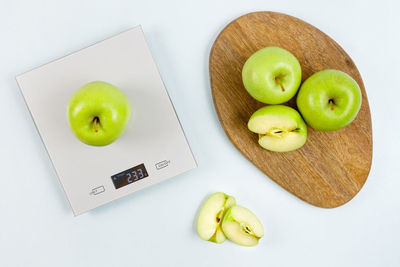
x,y
96,121
332,103
278,80
283,89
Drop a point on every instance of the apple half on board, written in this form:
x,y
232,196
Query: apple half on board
x,y
280,128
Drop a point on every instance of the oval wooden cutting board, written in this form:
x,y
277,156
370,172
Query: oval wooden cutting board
x,y
331,168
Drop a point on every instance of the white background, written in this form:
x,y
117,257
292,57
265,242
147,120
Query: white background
x,y
156,227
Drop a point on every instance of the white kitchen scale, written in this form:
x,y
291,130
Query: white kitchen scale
x,y
153,148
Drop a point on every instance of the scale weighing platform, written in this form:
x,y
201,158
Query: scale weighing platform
x,y
153,147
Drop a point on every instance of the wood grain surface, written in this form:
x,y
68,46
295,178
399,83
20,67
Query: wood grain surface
x,y
331,168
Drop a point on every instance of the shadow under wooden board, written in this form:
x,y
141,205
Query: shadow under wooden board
x,y
331,168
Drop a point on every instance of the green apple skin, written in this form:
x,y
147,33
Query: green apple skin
x,y
211,215
329,100
98,113
272,75
280,128
242,226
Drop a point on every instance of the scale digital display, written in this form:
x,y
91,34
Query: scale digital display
x,y
129,176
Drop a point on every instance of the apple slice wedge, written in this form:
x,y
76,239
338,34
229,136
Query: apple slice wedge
x,y
211,215
280,128
242,227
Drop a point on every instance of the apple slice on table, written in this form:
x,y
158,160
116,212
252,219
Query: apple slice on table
x,y
242,227
98,113
272,75
211,215
329,100
280,128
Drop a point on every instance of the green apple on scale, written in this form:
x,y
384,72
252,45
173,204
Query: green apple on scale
x,y
98,113
329,100
272,75
280,128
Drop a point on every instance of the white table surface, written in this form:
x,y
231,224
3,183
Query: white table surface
x,y
156,227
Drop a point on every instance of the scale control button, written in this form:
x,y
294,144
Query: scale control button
x,y
97,190
162,164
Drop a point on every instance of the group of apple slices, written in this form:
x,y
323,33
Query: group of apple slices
x,y
328,100
220,218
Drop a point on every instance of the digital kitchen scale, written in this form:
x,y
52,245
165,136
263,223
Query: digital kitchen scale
x,y
153,148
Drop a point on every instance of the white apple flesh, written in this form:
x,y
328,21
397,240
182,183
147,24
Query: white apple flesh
x,y
211,215
242,227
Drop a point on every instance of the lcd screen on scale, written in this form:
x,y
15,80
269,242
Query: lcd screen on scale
x,y
129,176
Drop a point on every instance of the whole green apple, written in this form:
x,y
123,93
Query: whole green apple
x,y
272,75
98,113
280,128
329,100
